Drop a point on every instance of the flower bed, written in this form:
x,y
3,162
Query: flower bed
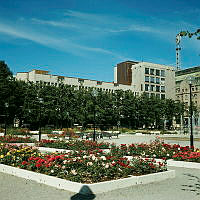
x,y
81,166
156,149
187,156
15,139
74,144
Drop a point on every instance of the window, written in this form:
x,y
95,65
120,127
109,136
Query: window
x,y
152,79
158,96
163,73
146,78
157,88
152,87
157,80
157,72
141,87
147,94
192,88
162,88
162,96
146,70
152,71
146,87
152,95
81,81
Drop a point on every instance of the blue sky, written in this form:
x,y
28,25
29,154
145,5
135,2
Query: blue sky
x,y
87,38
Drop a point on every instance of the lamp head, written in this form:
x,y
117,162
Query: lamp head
x,y
94,92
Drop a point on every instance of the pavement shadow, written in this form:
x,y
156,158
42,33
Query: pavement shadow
x,y
194,186
85,193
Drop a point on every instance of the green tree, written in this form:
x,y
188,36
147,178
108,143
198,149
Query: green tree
x,y
6,80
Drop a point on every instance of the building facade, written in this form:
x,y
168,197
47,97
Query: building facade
x,y
37,76
183,92
153,79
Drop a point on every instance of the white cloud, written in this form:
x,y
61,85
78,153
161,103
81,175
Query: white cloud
x,y
53,42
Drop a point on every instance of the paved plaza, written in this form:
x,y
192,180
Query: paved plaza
x,y
186,185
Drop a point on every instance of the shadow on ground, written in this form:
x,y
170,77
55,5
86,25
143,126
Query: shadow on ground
x,y
85,193
194,186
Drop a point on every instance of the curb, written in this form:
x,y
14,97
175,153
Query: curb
x,y
174,163
95,187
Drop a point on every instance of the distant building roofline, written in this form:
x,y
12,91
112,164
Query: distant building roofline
x,y
187,71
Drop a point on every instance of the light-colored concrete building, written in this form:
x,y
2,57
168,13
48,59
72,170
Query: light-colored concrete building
x,y
37,76
153,79
139,77
183,91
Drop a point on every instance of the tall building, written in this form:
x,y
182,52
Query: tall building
x,y
183,91
153,79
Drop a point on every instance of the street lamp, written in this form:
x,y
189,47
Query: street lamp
x,y
40,102
94,94
190,80
6,106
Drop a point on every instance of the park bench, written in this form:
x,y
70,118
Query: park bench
x,y
115,133
107,134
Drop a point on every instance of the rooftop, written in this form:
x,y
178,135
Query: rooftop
x,y
187,71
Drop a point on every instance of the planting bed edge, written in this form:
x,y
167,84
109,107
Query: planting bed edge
x,y
95,187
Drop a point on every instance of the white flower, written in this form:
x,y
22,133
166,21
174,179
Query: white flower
x,y
103,157
63,167
89,164
73,171
93,157
52,171
107,166
84,156
167,154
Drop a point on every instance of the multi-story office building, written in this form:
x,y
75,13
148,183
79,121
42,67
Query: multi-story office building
x,y
183,91
37,76
139,77
153,79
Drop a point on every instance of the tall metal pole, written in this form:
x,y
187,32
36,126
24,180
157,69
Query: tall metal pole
x,y
5,125
191,112
40,102
6,106
94,134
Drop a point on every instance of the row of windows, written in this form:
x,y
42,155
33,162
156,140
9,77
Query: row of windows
x,y
153,88
156,72
186,90
161,96
152,79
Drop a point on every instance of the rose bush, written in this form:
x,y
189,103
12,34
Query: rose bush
x,y
73,144
187,156
156,149
15,139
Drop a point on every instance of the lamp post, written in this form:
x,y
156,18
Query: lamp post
x,y
190,81
6,106
40,102
94,94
